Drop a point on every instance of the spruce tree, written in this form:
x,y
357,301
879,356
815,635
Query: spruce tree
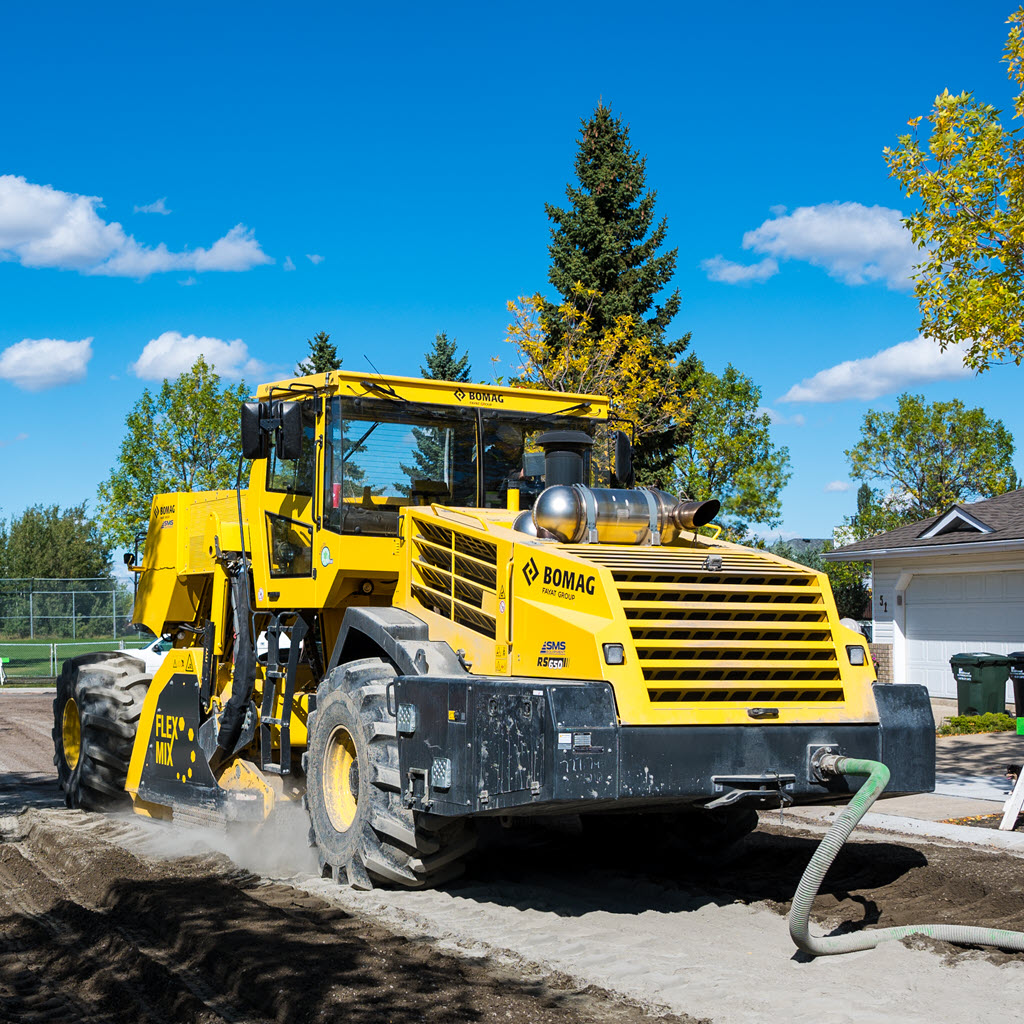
x,y
443,363
609,239
323,356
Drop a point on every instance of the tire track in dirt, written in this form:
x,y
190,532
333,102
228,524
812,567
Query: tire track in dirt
x,y
93,930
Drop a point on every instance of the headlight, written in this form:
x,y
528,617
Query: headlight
x,y
856,654
614,654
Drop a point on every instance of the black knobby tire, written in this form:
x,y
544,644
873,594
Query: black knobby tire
x,y
363,833
95,717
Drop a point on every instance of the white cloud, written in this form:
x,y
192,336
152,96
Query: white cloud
x,y
314,258
18,437
910,362
288,264
854,243
36,364
718,268
837,486
187,282
796,420
41,226
173,353
160,206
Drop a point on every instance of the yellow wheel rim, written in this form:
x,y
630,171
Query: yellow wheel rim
x,y
71,734
341,779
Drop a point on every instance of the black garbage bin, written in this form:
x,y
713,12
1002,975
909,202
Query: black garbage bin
x,y
980,682
1017,678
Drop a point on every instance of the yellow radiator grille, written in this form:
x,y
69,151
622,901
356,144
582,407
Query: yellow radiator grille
x,y
455,575
747,629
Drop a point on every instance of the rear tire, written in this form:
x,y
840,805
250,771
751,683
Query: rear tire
x,y
363,833
95,718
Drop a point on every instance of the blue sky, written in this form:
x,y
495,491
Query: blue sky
x,y
268,171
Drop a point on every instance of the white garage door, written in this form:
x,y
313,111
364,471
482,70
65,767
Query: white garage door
x,y
971,611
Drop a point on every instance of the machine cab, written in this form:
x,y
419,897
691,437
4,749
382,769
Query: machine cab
x,y
337,457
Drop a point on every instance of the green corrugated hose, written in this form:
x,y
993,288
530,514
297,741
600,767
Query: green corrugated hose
x,y
799,916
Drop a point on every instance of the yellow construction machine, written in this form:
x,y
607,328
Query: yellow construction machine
x,y
437,603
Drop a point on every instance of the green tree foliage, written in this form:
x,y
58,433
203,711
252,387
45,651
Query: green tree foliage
x,y
323,356
969,179
443,363
608,240
186,438
877,512
729,453
936,455
847,579
49,542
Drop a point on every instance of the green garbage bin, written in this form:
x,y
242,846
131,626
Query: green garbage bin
x,y
980,682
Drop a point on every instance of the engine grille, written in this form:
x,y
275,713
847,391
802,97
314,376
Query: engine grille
x,y
755,630
455,575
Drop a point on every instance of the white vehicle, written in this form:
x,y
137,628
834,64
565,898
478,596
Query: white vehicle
x,y
153,653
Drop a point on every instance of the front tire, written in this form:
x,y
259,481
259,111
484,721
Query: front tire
x,y
95,718
363,833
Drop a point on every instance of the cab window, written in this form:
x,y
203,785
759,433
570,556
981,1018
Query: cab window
x,y
382,455
514,460
296,476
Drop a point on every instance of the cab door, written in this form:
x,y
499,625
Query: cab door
x,y
282,518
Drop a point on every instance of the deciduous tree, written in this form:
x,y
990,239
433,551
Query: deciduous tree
x,y
969,179
729,454
49,542
618,361
935,454
186,438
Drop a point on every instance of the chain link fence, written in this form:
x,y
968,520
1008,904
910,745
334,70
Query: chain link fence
x,y
41,662
51,609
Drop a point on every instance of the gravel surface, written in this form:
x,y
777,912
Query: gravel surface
x,y
119,919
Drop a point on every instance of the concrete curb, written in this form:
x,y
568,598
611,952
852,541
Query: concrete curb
x,y
1011,842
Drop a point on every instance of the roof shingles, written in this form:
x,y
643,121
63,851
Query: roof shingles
x,y
1004,513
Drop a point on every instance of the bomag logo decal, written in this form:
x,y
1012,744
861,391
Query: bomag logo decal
x,y
486,397
165,510
565,584
530,571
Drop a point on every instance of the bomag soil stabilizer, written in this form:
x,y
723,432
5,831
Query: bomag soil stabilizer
x,y
437,603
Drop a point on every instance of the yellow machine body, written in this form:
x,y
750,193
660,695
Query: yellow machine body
x,y
695,634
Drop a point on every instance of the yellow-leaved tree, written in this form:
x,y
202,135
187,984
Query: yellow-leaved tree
x,y
619,361
969,178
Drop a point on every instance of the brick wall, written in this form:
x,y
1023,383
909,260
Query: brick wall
x,y
882,653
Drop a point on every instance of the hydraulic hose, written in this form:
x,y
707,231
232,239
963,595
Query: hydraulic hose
x,y
826,945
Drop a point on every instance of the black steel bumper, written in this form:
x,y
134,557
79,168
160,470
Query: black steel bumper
x,y
483,745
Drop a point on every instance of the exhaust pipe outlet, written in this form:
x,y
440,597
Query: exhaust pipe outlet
x,y
604,515
692,514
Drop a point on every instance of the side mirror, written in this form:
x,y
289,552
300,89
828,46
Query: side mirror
x,y
622,470
289,433
129,559
254,441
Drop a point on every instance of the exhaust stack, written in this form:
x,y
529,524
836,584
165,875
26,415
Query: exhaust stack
x,y
594,515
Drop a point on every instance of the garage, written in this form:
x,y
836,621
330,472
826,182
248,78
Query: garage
x,y
952,612
945,585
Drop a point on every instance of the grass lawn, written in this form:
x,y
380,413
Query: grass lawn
x,y
31,658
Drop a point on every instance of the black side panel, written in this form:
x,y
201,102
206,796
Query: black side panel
x,y
908,737
481,744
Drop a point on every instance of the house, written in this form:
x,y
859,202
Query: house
x,y
950,583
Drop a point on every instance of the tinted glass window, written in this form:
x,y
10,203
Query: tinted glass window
x,y
296,476
381,455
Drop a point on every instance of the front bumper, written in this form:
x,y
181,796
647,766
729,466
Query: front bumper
x,y
480,745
